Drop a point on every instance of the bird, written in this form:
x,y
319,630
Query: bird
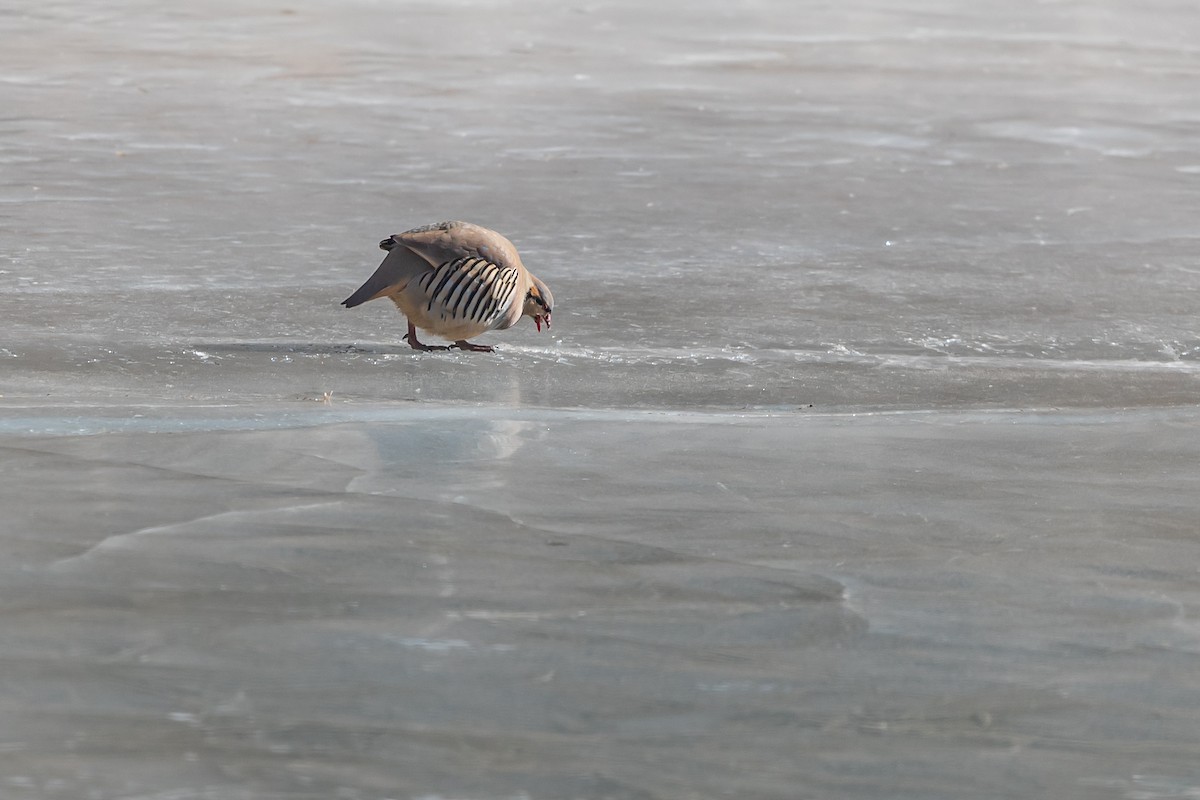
x,y
456,280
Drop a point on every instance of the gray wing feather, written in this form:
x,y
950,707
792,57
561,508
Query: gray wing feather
x,y
451,241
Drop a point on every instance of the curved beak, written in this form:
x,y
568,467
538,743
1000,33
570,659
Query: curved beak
x,y
540,318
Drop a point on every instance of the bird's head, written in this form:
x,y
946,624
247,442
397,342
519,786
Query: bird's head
x,y
538,302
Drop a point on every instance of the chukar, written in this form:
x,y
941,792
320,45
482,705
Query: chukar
x,y
456,280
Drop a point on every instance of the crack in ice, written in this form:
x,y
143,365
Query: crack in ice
x,y
119,540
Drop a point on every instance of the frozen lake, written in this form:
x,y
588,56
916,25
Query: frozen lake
x,y
861,460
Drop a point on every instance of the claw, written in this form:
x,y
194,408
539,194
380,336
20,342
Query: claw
x,y
415,344
463,344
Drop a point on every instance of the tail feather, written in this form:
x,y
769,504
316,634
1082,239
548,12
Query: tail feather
x,y
393,274
358,298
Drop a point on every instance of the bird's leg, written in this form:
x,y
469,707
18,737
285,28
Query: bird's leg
x,y
463,344
415,344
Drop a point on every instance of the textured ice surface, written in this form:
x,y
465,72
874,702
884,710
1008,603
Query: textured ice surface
x,y
860,461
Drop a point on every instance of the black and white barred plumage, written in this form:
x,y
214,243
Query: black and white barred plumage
x,y
471,289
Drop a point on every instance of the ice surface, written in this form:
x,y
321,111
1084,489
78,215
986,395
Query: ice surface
x,y
860,461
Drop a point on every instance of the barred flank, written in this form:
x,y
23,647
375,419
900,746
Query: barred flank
x,y
471,289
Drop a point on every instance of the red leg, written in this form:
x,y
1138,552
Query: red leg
x,y
415,344
463,344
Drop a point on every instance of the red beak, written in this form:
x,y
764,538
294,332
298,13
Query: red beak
x,y
539,319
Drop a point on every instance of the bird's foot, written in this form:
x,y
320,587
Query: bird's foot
x,y
413,342
463,344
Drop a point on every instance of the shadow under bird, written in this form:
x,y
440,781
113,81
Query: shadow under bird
x,y
456,280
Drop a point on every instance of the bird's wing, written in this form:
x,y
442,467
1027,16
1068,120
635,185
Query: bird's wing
x,y
469,290
399,267
450,241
